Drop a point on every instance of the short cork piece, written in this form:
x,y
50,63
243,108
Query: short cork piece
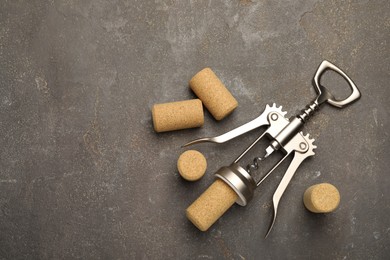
x,y
192,165
321,198
178,115
211,205
213,93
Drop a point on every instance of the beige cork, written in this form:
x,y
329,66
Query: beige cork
x,y
321,198
213,93
192,165
211,205
178,115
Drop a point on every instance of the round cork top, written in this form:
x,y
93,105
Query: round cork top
x,y
325,197
192,165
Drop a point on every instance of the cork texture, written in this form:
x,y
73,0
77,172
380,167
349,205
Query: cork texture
x,y
321,198
213,93
178,115
192,165
211,205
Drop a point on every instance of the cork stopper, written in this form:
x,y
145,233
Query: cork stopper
x,y
213,93
321,198
177,115
192,165
211,205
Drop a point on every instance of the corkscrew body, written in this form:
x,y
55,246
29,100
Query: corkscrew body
x,y
284,135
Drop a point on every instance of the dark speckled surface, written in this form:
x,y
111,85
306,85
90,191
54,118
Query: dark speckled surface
x,y
83,175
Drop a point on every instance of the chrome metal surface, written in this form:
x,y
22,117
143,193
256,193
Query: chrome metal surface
x,y
255,164
323,93
260,121
289,131
299,157
284,126
239,180
249,148
308,111
276,125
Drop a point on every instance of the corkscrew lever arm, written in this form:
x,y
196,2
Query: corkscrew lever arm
x,y
258,122
299,157
297,160
255,123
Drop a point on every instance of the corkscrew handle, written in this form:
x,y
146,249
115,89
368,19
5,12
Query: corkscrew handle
x,y
323,93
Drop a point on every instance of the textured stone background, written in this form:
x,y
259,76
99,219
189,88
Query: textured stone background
x,y
83,175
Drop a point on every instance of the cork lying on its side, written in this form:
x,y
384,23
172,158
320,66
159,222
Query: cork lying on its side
x,y
214,95
178,115
211,205
192,165
321,198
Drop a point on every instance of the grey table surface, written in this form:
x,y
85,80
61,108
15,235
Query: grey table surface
x,y
83,174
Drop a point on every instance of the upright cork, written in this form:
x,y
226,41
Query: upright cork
x,y
213,93
211,205
321,198
192,165
178,115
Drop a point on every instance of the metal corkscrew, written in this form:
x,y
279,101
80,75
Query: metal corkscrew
x,y
284,135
